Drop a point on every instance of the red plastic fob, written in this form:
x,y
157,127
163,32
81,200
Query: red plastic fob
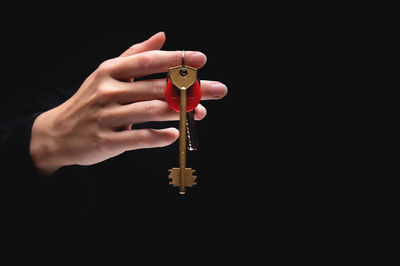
x,y
192,100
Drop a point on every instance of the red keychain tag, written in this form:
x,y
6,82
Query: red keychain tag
x,y
192,99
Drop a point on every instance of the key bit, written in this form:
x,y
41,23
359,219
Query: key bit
x,y
189,180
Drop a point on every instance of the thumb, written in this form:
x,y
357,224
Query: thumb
x,y
155,42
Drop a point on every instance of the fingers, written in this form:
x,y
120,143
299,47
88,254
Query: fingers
x,y
155,110
212,90
143,90
155,42
145,138
146,90
151,62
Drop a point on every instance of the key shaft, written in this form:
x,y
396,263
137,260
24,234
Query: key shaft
x,y
182,140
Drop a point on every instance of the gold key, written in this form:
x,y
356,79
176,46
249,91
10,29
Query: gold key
x,y
182,77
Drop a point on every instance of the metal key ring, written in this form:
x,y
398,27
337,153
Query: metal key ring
x,y
183,71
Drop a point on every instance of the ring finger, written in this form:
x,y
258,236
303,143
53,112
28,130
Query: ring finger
x,y
145,111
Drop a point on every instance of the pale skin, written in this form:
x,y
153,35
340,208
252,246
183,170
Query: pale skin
x,y
95,124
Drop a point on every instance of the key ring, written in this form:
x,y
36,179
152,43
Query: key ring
x,y
183,71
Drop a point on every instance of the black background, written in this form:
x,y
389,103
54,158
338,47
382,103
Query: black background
x,y
62,50
257,160
274,157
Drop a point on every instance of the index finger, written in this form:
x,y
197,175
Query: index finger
x,y
151,62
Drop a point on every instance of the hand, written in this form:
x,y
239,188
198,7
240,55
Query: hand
x,y
95,123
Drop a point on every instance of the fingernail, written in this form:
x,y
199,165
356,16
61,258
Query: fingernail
x,y
219,90
197,59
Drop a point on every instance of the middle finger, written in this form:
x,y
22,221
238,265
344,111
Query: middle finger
x,y
146,90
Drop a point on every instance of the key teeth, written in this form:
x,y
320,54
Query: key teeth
x,y
174,177
190,178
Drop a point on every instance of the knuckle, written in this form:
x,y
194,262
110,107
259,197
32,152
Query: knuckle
x,y
159,89
176,59
154,108
105,67
104,94
101,139
146,61
145,138
131,50
103,117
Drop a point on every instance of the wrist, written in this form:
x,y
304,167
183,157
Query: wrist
x,y
43,147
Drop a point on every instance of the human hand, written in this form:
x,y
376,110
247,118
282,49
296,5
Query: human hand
x,y
95,123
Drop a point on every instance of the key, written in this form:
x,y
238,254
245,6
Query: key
x,y
192,140
183,78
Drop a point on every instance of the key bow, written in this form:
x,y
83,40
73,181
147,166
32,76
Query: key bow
x,y
180,80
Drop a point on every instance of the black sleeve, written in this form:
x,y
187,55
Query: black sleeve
x,y
20,105
25,94
14,143
21,185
